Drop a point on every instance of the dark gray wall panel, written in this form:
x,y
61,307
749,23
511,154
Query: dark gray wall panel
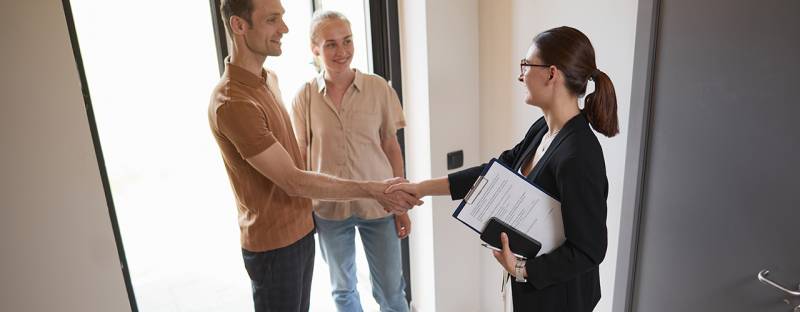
x,y
720,190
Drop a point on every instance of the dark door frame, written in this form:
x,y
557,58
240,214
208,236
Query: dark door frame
x,y
98,150
639,122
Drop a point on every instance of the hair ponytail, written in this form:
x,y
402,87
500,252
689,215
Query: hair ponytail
x,y
572,52
600,106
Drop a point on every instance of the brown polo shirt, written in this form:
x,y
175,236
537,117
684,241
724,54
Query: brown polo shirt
x,y
246,116
346,142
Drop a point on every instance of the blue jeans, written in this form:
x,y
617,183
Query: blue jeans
x,y
382,248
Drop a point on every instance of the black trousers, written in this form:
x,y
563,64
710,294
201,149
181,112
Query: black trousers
x,y
281,278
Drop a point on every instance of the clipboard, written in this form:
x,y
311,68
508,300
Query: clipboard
x,y
537,216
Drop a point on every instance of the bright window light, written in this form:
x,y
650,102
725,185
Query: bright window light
x,y
151,66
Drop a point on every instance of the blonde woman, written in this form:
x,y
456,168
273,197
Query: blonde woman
x,y
346,123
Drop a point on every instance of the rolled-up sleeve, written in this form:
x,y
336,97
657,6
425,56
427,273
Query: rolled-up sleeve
x,y
300,106
392,113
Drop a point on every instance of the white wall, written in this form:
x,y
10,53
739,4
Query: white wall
x,y
440,77
439,68
58,249
499,98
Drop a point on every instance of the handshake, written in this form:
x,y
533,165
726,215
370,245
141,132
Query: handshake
x,y
396,195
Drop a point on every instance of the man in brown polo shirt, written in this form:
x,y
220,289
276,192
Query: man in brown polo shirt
x,y
264,165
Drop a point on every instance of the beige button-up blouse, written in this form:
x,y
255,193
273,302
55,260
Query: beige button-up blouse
x,y
347,142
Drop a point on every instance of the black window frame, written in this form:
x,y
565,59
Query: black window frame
x,y
385,29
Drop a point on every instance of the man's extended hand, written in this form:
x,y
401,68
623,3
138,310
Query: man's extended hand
x,y
405,186
395,202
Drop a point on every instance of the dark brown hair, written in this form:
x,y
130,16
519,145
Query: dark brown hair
x,y
571,52
240,8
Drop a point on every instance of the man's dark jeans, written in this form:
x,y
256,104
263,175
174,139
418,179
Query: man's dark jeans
x,y
281,278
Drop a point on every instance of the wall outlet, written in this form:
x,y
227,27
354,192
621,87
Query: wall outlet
x,y
455,159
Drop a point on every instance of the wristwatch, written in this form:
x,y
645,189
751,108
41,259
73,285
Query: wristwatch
x,y
518,271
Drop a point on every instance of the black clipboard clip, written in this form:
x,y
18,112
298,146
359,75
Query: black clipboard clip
x,y
476,189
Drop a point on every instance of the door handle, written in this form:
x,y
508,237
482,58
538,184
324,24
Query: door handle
x,y
762,277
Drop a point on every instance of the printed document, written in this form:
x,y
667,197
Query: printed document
x,y
504,194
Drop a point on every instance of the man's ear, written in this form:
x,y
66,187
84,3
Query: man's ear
x,y
553,72
238,25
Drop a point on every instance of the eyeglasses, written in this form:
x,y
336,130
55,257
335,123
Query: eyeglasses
x,y
523,64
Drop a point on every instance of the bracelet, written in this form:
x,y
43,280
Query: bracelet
x,y
519,275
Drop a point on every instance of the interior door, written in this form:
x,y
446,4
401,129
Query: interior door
x,y
717,181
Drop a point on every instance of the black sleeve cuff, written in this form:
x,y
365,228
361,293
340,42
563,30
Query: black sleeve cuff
x,y
461,181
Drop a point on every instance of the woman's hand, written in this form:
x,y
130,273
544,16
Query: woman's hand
x,y
506,258
408,187
432,187
403,225
394,202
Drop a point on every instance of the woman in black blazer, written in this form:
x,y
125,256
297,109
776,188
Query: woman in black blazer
x,y
560,154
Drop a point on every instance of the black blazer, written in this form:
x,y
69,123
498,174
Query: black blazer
x,y
573,171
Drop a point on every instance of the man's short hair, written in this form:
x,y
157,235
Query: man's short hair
x,y
240,8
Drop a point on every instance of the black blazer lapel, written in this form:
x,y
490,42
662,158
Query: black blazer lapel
x,y
530,142
570,127
530,149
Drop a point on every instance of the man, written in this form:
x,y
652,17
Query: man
x,y
261,156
